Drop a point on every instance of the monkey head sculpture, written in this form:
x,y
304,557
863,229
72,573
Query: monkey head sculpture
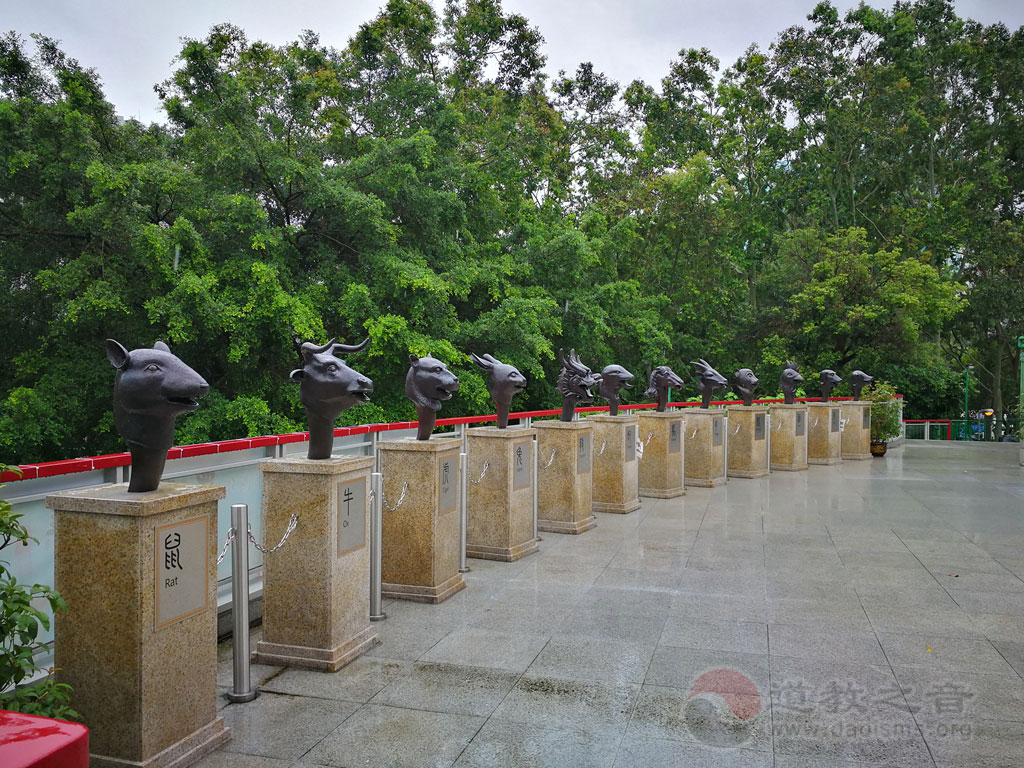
x,y
661,380
857,381
427,383
574,383
612,379
152,387
789,381
746,383
828,380
327,387
709,381
504,381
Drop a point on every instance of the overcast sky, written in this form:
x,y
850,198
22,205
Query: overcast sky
x,y
132,43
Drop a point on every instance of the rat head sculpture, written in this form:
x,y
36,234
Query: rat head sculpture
x,y
710,380
661,380
789,381
328,387
612,379
857,381
152,387
427,383
828,380
504,382
746,383
574,383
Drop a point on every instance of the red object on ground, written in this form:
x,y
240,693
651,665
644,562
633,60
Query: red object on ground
x,y
30,741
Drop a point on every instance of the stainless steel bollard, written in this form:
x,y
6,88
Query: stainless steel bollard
x,y
241,686
463,513
376,543
536,483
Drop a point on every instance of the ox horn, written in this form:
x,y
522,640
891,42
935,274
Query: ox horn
x,y
350,348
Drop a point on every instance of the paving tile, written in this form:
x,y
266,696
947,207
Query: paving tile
x,y
1013,653
948,623
258,673
932,651
627,601
736,636
979,580
589,658
501,744
400,639
976,601
480,648
729,672
977,744
637,578
448,688
720,607
389,737
592,622
556,703
961,696
660,753
236,760
847,613
360,681
825,642
284,727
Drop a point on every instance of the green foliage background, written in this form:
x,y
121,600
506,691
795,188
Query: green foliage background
x,y
850,198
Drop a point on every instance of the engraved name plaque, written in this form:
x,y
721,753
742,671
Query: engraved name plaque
x,y
351,516
583,453
759,426
866,424
447,484
674,434
800,425
630,452
182,570
522,461
716,430
835,419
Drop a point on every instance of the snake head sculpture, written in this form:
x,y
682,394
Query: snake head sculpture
x,y
828,379
709,381
746,383
661,380
504,382
789,381
574,383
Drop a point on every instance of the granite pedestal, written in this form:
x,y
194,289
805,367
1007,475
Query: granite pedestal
x,y
824,435
420,549
615,464
705,447
856,440
661,466
748,441
500,506
138,642
789,437
565,486
316,601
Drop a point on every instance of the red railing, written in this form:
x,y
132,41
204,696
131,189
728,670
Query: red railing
x,y
90,463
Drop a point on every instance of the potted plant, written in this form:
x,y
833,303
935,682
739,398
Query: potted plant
x,y
885,416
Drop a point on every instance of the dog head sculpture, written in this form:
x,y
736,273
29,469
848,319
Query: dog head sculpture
x,y
152,387
789,381
746,383
661,380
709,381
857,381
427,383
611,380
828,380
574,383
328,387
504,381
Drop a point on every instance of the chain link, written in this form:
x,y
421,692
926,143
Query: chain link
x,y
553,450
401,498
648,440
694,433
604,445
227,543
292,522
737,430
487,466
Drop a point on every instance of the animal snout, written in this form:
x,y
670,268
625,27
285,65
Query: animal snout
x,y
364,383
202,388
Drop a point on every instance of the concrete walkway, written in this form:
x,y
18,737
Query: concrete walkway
x,y
866,614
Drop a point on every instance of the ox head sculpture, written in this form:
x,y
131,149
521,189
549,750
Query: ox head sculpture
x,y
661,380
746,383
574,383
709,381
789,381
427,383
612,379
504,382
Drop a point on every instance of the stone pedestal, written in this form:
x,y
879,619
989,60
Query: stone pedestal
x,y
856,440
138,642
500,506
316,597
565,487
420,549
824,438
748,441
615,464
705,447
661,466
789,437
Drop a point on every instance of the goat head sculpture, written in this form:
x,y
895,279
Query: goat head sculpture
x,y
709,381
574,383
828,379
611,380
661,380
746,383
504,381
327,387
427,383
789,381
152,387
857,381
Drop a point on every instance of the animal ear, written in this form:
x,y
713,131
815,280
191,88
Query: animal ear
x,y
116,354
482,362
413,359
491,359
161,346
298,373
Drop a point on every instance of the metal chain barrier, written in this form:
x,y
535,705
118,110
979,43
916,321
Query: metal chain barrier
x,y
487,465
604,444
227,543
815,422
292,522
694,434
737,430
648,440
401,498
778,426
551,459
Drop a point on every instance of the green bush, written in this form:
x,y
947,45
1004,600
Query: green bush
x,y
885,412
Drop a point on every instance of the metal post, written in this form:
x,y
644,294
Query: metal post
x,y
376,541
463,513
241,688
927,430
967,416
536,484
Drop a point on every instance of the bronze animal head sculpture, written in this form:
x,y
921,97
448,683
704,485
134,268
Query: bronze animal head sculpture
x,y
152,388
746,383
504,382
857,381
574,383
661,380
427,383
328,387
828,380
789,381
710,380
612,379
